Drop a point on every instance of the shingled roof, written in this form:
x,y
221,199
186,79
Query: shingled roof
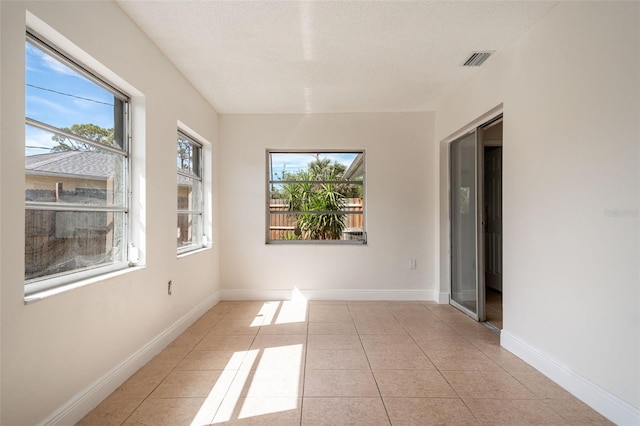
x,y
84,164
88,164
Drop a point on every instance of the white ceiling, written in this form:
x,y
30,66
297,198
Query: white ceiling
x,y
340,56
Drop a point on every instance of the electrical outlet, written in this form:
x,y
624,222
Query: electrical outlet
x,y
169,288
412,263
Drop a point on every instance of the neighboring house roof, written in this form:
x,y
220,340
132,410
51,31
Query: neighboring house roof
x,y
78,164
356,169
88,164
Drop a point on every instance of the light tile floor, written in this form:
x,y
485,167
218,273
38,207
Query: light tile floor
x,y
338,363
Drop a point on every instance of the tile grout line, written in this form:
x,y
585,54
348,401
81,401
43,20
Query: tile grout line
x,y
304,370
370,368
237,370
440,371
469,335
445,377
168,373
132,411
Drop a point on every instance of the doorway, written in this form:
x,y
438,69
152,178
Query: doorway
x,y
492,223
475,167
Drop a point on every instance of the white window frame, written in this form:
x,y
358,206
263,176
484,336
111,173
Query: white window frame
x,y
196,175
362,240
36,288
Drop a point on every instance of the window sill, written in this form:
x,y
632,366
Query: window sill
x,y
194,251
317,242
40,295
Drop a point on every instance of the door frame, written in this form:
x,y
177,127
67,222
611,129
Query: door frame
x,y
486,120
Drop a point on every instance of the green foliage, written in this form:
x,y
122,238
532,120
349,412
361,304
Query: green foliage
x,y
88,131
289,236
309,195
325,169
185,155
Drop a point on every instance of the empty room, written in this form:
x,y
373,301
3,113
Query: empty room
x,y
319,212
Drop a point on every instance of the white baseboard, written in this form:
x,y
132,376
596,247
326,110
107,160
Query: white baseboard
x,y
250,294
601,400
83,402
443,298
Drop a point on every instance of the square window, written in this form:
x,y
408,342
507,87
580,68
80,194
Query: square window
x,y
316,196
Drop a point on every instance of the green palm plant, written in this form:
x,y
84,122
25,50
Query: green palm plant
x,y
311,196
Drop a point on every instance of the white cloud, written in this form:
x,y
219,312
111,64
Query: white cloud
x,y
37,141
53,64
293,162
47,61
37,100
290,162
92,102
56,66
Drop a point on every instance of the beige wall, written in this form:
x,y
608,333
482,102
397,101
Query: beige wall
x,y
570,95
571,99
62,346
400,182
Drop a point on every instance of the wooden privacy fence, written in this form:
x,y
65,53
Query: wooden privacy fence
x,y
282,224
58,241
184,221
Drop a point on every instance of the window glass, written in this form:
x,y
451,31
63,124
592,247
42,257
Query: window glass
x,y
190,193
79,175
76,170
61,96
59,242
316,196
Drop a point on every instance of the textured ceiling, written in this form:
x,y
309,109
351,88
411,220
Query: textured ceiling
x,y
343,56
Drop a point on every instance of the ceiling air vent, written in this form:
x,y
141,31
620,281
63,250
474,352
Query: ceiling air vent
x,y
477,58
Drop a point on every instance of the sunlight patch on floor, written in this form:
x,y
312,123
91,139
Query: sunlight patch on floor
x,y
234,392
276,373
294,310
222,388
266,314
287,359
273,373
253,407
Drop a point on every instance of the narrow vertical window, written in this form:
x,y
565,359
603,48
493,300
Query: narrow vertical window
x,y
76,170
190,194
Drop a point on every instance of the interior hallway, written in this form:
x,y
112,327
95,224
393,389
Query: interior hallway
x,y
369,363
493,307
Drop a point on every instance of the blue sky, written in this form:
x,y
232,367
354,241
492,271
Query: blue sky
x,y
61,97
293,162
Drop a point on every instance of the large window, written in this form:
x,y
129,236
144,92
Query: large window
x,y
315,196
76,170
190,194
